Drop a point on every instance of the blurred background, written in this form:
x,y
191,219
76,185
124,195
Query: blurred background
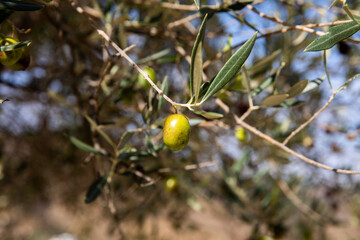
x,y
227,183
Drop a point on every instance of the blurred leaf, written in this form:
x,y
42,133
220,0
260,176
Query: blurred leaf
x,y
154,56
96,188
149,145
313,84
195,121
290,103
125,137
165,89
266,83
19,5
274,100
239,164
298,88
263,64
197,3
238,5
231,68
14,46
196,66
208,115
83,146
335,35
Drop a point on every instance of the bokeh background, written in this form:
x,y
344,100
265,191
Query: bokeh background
x,y
251,189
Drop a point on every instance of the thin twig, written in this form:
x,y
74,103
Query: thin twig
x,y
298,203
289,150
315,115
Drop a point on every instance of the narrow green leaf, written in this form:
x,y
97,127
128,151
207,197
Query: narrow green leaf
x,y
208,115
83,146
197,78
154,56
266,83
313,84
336,34
197,3
125,138
298,88
274,100
165,89
19,5
196,61
96,188
231,68
195,121
290,103
13,46
263,64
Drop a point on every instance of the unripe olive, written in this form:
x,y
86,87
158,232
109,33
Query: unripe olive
x,y
171,184
143,82
240,134
176,132
9,58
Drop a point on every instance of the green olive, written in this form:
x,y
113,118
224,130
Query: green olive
x,y
171,184
143,82
240,134
176,132
9,58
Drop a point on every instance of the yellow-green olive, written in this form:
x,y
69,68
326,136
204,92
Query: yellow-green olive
x,y
9,58
143,82
171,184
240,134
176,132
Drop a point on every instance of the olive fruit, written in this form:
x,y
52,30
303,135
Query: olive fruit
x,y
171,183
9,58
240,134
176,132
143,82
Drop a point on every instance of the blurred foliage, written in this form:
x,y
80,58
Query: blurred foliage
x,y
77,125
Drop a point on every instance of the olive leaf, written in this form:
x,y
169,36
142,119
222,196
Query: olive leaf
x,y
195,121
13,46
164,89
336,34
298,88
197,3
231,68
290,103
313,84
154,56
196,65
263,64
208,115
96,188
125,137
266,83
238,5
83,146
274,100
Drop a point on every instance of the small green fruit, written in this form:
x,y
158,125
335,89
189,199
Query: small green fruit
x,y
143,82
176,132
171,184
240,134
9,58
